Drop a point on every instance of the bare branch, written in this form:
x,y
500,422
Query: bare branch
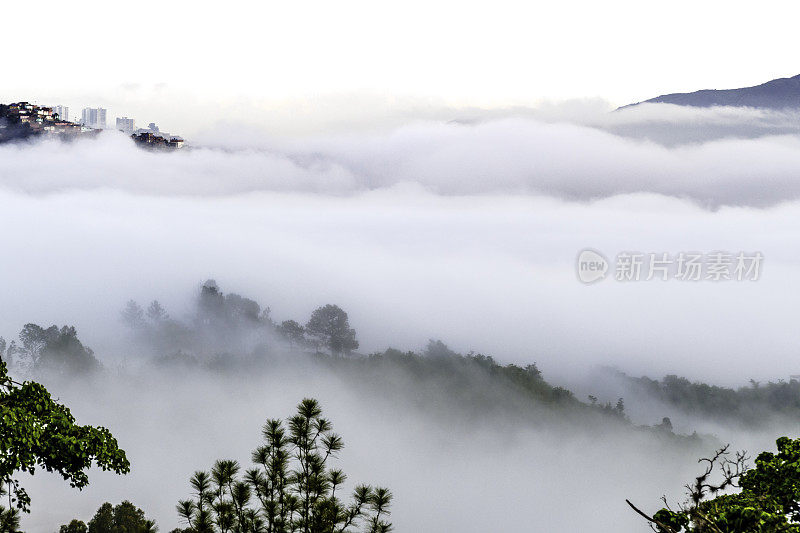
x,y
651,519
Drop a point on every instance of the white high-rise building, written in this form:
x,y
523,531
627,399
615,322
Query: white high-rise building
x,y
94,117
61,111
128,125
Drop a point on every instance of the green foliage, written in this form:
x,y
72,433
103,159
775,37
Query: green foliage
x,y
330,327
768,502
9,518
75,526
675,521
457,375
103,519
55,350
121,518
291,489
36,431
777,477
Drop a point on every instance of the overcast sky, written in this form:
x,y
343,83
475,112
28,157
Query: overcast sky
x,y
189,63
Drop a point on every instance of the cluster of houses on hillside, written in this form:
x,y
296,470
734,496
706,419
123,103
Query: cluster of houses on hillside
x,y
152,137
21,120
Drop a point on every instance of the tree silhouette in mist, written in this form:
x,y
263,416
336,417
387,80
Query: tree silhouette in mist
x,y
292,488
330,327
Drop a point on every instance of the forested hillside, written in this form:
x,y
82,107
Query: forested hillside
x,y
232,334
751,405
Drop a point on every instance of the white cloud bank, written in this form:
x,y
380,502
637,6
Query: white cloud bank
x,y
461,232
467,233
505,156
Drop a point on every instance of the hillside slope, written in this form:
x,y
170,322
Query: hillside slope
x,y
782,93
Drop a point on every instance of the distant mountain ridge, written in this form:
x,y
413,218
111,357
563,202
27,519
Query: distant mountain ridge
x,y
781,93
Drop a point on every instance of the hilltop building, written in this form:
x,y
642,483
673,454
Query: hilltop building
x,y
128,125
61,111
22,120
94,117
25,113
154,139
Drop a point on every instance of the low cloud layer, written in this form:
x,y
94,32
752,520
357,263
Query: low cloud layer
x,y
726,157
490,273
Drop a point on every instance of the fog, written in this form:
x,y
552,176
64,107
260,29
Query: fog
x,y
464,231
449,472
494,274
724,157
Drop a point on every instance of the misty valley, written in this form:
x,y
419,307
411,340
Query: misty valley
x,y
184,378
